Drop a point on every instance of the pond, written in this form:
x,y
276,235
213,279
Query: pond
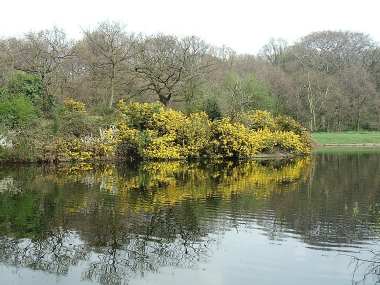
x,y
262,222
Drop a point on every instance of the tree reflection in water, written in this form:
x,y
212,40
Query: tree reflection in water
x,y
119,222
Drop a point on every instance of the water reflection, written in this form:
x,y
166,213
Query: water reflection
x,y
116,222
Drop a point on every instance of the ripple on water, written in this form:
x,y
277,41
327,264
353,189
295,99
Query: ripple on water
x,y
296,223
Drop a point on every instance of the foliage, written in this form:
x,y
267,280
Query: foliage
x,y
328,80
27,144
25,84
246,93
138,115
77,125
231,140
73,121
152,132
258,120
16,111
288,124
71,105
130,142
87,148
212,109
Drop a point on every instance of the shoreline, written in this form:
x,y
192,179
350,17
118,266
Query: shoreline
x,y
261,156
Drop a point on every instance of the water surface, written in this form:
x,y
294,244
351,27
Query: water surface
x,y
270,222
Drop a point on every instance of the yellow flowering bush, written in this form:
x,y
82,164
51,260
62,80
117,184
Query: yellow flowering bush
x,y
167,121
101,147
72,105
258,120
288,124
290,142
139,115
163,148
264,140
194,135
153,132
128,142
231,140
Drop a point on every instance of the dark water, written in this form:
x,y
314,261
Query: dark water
x,y
296,222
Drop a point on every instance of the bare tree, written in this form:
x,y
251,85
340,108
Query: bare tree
x,y
166,65
274,51
107,50
41,53
330,51
360,90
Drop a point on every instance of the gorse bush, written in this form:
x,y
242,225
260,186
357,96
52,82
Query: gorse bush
x,y
71,105
258,120
99,147
138,115
231,140
288,124
150,131
154,132
73,120
194,135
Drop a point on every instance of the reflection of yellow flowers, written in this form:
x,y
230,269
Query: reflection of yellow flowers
x,y
168,183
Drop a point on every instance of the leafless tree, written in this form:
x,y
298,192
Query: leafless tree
x,y
166,65
108,50
274,51
41,53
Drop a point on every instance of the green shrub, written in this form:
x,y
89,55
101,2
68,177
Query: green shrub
x,y
27,85
138,115
76,124
212,109
288,124
73,120
16,111
27,144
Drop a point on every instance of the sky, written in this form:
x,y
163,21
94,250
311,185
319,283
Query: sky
x,y
244,25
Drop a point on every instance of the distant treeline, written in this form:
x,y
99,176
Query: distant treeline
x,y
329,81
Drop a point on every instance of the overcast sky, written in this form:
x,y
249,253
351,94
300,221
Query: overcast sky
x,y
244,25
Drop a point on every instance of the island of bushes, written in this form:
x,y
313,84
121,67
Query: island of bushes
x,y
150,131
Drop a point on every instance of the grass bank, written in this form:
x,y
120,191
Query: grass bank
x,y
349,138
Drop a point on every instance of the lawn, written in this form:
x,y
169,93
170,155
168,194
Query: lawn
x,y
347,138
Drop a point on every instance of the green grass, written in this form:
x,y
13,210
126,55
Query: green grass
x,y
347,138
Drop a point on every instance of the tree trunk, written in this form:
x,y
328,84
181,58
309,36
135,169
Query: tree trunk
x,y
310,100
165,99
112,81
112,93
358,122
